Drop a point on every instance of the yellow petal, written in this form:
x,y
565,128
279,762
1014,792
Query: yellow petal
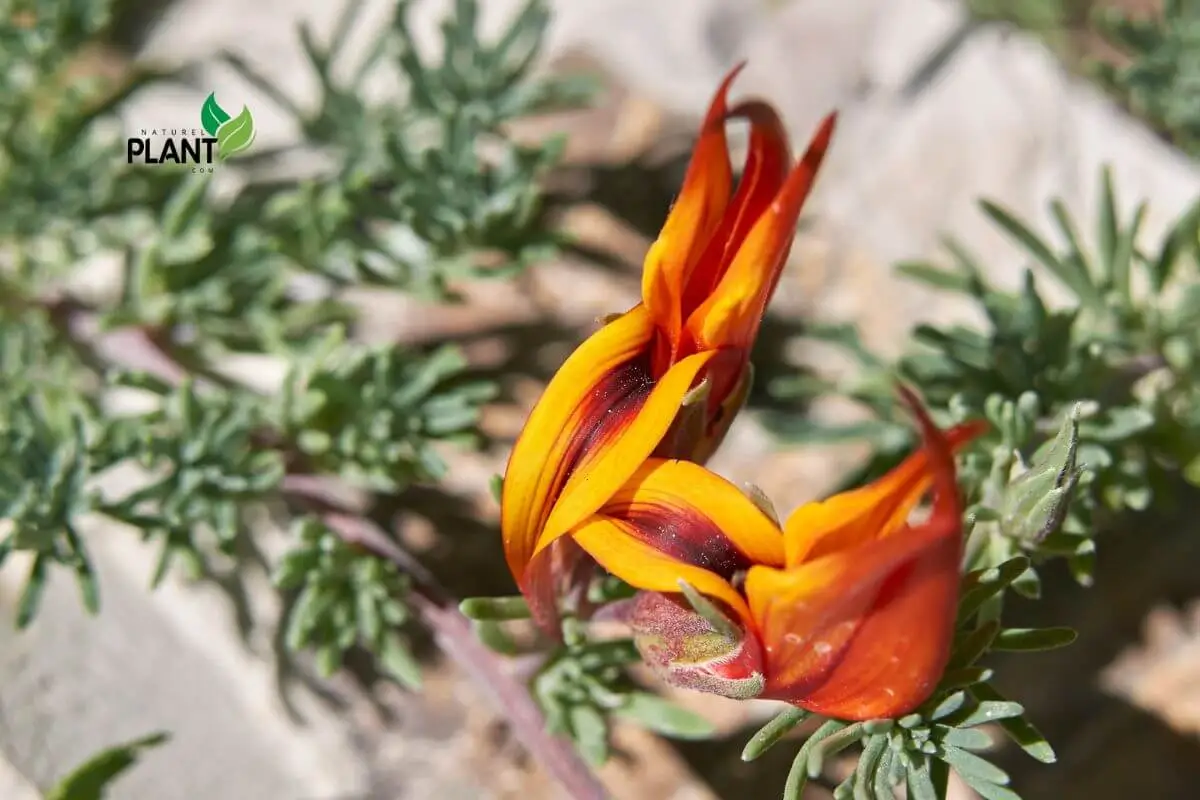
x,y
574,409
696,514
609,461
693,218
620,552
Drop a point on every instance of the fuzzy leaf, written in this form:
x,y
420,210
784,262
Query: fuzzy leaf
x,y
1019,729
495,608
1035,503
783,723
590,731
1033,639
662,716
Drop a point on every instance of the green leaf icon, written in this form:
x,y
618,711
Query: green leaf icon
x,y
212,116
236,135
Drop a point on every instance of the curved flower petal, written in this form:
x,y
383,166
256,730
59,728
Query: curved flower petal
x,y
870,512
863,633
693,219
696,517
597,393
768,157
618,547
731,315
607,461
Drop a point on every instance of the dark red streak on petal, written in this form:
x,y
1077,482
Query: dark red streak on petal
x,y
613,404
685,534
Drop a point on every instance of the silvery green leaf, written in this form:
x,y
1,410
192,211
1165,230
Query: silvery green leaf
x,y
1035,503
662,716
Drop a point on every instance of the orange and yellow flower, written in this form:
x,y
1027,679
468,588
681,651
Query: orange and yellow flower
x,y
666,377
847,611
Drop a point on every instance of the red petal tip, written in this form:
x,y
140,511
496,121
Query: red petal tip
x,y
821,139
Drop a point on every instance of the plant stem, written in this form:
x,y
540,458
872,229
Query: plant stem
x,y
458,640
437,608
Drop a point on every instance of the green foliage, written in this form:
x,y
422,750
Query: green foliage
x,y
204,463
42,492
426,190
57,130
411,189
374,415
346,597
582,684
91,780
1125,352
1154,74
1159,80
408,191
1091,408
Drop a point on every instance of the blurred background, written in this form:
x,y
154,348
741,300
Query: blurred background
x,y
942,102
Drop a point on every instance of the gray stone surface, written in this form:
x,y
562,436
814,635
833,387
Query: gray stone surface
x,y
74,685
917,144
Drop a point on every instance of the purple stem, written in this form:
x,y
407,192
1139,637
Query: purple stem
x,y
458,640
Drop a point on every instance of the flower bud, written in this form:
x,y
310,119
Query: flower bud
x,y
696,651
1036,502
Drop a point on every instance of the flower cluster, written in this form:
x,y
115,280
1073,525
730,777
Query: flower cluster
x,y
848,608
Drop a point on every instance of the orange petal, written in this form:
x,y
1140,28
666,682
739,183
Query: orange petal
x,y
607,373
731,315
768,157
697,517
692,220
605,463
864,633
870,512
617,548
